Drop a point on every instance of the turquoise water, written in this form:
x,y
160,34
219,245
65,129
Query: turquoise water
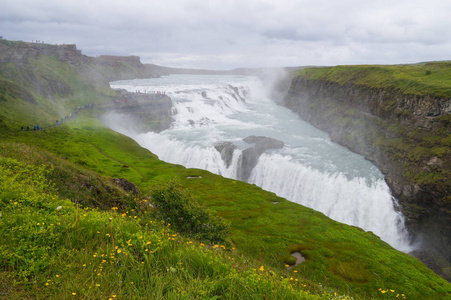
x,y
310,170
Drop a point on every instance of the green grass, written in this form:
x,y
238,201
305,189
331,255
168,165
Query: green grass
x,y
342,256
78,252
432,78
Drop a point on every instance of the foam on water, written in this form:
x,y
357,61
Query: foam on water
x,y
310,170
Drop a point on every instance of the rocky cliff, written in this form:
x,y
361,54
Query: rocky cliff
x,y
43,82
99,71
21,52
249,158
406,134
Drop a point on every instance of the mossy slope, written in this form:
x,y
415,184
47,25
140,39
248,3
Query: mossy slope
x,y
431,78
338,255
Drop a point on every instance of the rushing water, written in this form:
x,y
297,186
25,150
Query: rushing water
x,y
310,169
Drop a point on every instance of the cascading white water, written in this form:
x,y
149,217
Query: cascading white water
x,y
365,203
309,170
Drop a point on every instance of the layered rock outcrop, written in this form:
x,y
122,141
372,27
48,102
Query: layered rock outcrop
x,y
250,155
54,75
22,52
104,68
249,158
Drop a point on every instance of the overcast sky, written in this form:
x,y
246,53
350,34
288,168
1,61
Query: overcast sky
x,y
226,34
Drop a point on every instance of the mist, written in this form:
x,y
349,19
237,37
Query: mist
x,y
121,123
309,169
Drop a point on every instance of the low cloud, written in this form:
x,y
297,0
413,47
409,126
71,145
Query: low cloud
x,y
231,34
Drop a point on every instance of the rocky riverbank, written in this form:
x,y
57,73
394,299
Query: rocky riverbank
x,y
407,135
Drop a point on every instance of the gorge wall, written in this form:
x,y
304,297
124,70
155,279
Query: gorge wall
x,y
107,67
406,135
40,83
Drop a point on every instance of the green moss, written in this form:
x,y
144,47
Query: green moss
x,y
429,178
352,272
446,141
418,79
323,242
440,151
289,260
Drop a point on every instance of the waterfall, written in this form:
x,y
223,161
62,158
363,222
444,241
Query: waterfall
x,y
355,201
309,169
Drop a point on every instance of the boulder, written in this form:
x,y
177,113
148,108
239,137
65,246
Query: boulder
x,y
251,155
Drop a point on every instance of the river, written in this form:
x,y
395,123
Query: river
x,y
310,169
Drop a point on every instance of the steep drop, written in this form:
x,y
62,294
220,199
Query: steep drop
x,y
309,169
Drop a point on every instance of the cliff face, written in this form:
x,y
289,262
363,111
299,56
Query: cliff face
x,y
407,136
104,68
40,82
20,52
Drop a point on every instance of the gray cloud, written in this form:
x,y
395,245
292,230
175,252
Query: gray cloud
x,y
228,34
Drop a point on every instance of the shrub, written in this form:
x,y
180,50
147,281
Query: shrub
x,y
182,210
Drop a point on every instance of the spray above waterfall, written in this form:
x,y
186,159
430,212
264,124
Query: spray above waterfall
x,y
229,126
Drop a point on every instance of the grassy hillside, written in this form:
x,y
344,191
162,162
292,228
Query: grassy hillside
x,y
234,241
40,89
337,256
432,78
51,249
